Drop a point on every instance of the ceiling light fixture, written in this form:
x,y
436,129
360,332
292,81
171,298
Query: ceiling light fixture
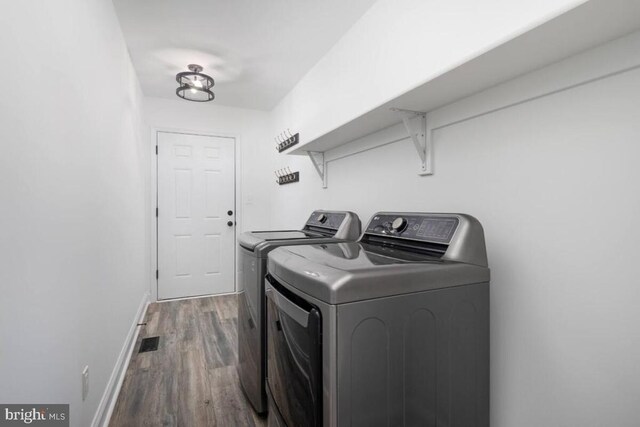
x,y
194,86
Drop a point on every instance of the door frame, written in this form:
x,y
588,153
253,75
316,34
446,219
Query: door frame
x,y
153,281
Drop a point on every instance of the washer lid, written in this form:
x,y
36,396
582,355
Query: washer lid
x,y
251,239
346,272
321,225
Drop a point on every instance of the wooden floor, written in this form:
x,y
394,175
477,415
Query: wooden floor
x,y
191,379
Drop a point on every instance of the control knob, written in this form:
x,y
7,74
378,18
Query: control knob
x,y
322,218
399,224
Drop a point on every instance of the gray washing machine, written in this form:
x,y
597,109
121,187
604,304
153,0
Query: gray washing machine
x,y
390,331
321,227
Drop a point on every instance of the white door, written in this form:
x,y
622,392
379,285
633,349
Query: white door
x,y
196,215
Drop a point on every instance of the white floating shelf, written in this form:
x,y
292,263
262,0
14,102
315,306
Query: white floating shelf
x,y
584,27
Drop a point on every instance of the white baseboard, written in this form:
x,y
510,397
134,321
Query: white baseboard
x,y
111,391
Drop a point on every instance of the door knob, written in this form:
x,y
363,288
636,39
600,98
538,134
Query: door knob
x,y
229,213
230,223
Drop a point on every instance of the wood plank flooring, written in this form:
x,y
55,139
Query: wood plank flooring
x,y
191,380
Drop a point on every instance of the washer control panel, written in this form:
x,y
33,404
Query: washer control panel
x,y
331,220
429,228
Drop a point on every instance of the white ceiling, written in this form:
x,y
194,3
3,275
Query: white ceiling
x,y
256,50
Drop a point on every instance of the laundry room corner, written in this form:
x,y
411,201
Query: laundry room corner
x,y
323,214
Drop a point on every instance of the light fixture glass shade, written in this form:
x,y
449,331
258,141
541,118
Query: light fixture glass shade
x,y
194,86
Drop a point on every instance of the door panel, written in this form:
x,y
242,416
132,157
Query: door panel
x,y
196,247
294,358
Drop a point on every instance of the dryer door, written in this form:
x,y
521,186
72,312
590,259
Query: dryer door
x,y
294,356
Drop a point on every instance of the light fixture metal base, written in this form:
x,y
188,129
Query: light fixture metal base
x,y
195,86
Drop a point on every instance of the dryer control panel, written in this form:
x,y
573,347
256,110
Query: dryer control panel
x,y
428,228
449,236
323,219
338,224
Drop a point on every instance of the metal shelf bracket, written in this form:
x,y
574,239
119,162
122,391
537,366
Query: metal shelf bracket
x,y
415,122
317,158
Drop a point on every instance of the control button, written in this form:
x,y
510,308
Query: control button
x,y
322,218
399,224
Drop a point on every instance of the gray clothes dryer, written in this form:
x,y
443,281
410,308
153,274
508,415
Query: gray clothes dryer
x,y
392,330
321,227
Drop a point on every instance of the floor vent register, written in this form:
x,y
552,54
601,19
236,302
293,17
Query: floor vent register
x,y
149,344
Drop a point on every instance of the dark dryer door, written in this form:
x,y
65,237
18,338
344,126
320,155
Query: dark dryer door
x,y
294,356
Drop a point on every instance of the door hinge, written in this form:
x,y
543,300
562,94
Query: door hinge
x,y
156,150
157,274
156,212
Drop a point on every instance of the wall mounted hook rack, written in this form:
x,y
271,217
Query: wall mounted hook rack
x,y
286,140
285,176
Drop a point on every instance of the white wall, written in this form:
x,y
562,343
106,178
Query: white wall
x,y
73,201
554,182
398,45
